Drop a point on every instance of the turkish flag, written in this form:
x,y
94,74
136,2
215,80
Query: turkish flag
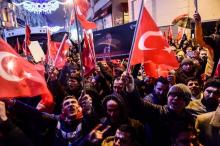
x,y
180,34
82,7
150,46
88,55
19,78
27,35
52,52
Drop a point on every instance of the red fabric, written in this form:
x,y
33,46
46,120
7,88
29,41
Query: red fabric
x,y
165,35
40,68
150,46
84,22
179,34
170,34
88,56
19,78
27,35
53,50
83,5
25,50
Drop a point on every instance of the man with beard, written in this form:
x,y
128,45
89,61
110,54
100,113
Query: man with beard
x,y
203,56
160,118
209,100
195,88
159,94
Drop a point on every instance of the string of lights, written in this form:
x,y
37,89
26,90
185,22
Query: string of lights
x,y
43,7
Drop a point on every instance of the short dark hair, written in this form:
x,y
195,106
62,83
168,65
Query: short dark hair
x,y
162,80
69,97
212,82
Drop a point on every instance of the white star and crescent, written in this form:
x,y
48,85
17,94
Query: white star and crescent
x,y
7,76
148,34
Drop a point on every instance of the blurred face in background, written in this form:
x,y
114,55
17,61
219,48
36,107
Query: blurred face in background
x,y
194,87
211,97
187,67
113,110
161,89
122,139
118,86
203,55
73,84
180,56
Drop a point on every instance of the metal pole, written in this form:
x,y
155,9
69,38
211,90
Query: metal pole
x,y
79,44
196,6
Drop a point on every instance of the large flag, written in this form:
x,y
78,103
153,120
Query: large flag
x,y
19,78
82,7
58,58
150,47
88,55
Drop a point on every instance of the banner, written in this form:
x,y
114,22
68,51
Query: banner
x,y
114,42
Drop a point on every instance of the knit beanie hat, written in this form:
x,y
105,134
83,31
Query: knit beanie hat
x,y
187,61
181,89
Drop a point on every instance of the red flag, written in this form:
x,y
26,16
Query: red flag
x,y
180,34
165,35
27,35
82,7
19,78
170,34
25,49
53,50
88,56
17,46
150,46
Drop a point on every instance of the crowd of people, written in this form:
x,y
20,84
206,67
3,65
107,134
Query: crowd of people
x,y
113,107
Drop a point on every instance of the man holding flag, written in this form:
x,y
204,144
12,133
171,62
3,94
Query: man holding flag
x,y
151,48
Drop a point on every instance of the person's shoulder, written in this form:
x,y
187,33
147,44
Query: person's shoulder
x,y
205,117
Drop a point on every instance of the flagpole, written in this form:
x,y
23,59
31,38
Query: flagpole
x,y
135,33
80,47
196,6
